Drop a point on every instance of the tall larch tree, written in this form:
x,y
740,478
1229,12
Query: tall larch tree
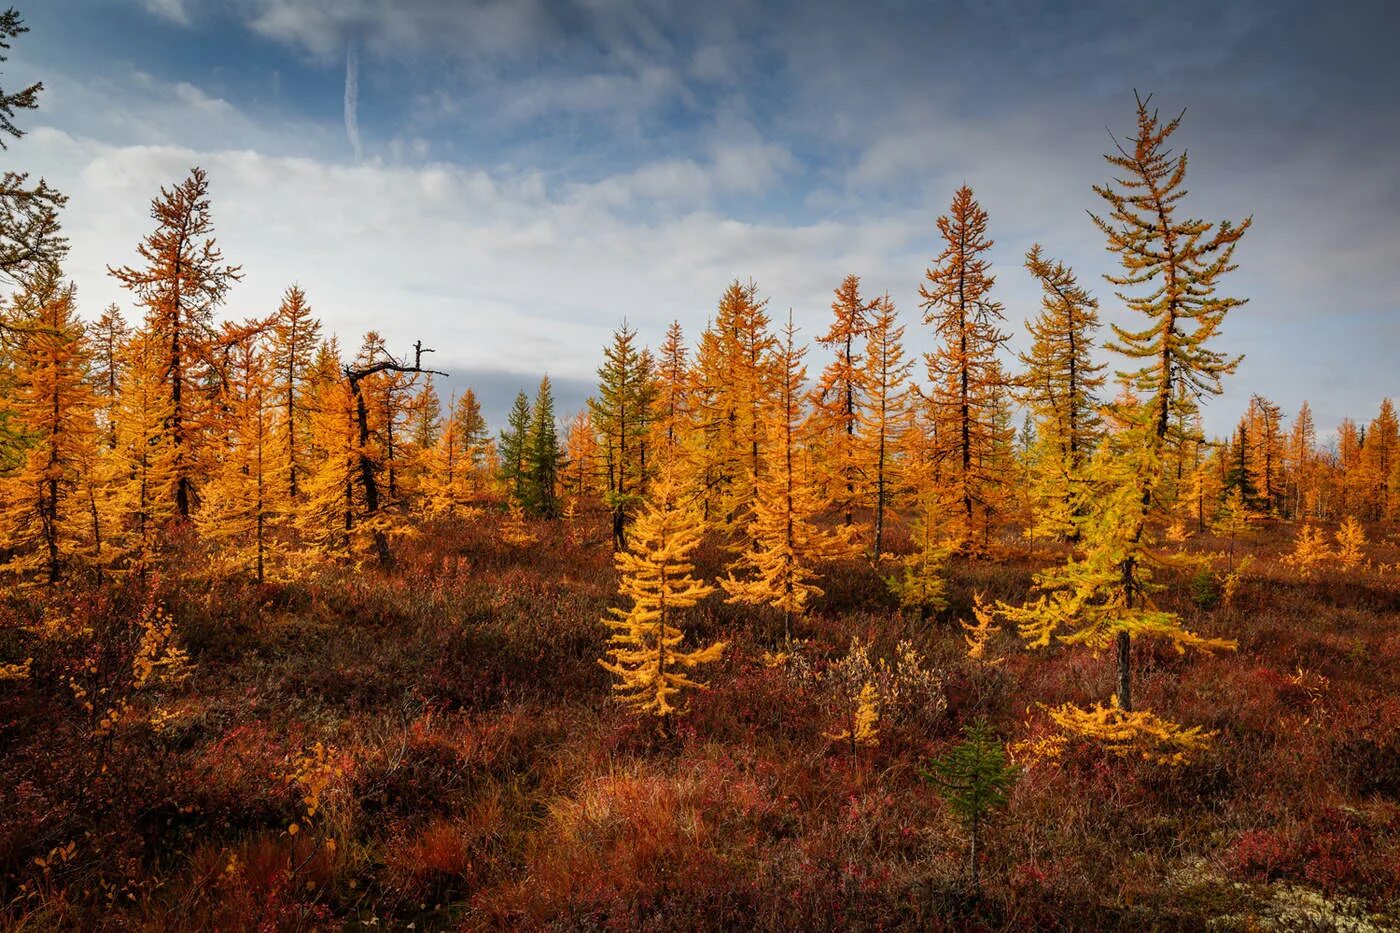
x,y
884,416
46,523
295,336
645,648
1301,465
583,458
141,497
964,369
1060,386
1265,453
779,566
331,501
1379,454
239,505
839,395
183,281
735,382
1176,266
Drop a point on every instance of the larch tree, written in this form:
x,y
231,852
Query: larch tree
x,y
1300,461
46,522
621,415
331,500
455,463
779,566
964,369
31,239
645,650
1265,453
884,412
239,504
295,336
735,381
107,338
1060,386
673,389
1379,454
141,499
1102,597
183,281
839,396
583,457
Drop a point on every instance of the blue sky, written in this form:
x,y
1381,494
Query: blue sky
x,y
509,180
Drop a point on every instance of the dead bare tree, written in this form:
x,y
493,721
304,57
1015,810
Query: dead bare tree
x,y
369,484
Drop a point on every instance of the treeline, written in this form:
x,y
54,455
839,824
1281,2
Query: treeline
x,y
274,446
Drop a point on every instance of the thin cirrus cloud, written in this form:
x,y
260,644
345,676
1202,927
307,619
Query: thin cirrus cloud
x,y
509,180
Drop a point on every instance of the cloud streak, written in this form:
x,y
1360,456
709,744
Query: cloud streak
x,y
352,97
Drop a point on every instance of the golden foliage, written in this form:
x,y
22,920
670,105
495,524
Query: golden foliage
x,y
1126,734
656,572
1309,550
978,635
514,530
1351,543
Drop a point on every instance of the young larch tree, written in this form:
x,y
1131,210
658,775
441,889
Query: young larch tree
x,y
964,370
582,456
1301,465
141,499
1379,454
183,281
645,648
331,504
673,389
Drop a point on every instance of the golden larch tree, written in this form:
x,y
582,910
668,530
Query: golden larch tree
x,y
779,566
838,398
645,649
1060,387
295,336
46,522
735,380
884,416
183,281
238,505
964,369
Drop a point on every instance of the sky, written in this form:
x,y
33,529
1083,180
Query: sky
x,y
510,180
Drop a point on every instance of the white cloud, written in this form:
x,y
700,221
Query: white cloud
x,y
172,10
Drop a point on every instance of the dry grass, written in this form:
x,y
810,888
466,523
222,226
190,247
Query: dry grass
x,y
483,779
